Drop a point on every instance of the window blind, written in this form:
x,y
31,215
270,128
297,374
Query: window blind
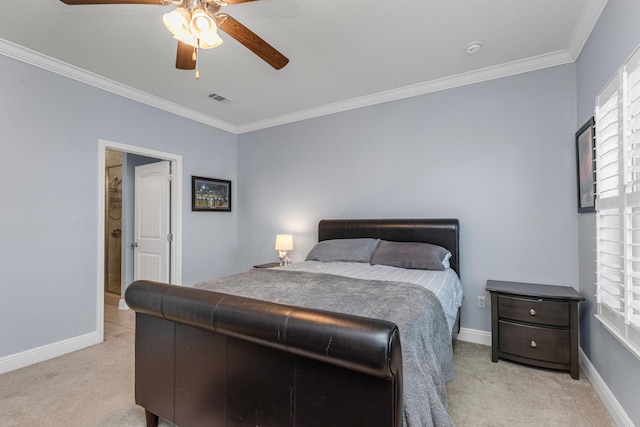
x,y
617,154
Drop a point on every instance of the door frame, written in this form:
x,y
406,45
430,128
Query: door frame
x,y
176,218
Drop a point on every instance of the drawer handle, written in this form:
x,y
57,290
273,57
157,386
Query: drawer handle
x,y
532,312
533,344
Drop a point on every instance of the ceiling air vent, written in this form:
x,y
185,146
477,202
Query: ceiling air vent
x,y
218,98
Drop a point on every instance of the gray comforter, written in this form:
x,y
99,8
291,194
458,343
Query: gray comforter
x,y
427,356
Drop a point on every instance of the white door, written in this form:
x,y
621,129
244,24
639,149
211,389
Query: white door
x,y
152,222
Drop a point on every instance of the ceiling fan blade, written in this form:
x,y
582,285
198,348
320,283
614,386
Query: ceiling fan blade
x,y
81,2
251,41
184,58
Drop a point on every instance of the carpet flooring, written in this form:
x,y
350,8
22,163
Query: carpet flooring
x,y
506,394
95,387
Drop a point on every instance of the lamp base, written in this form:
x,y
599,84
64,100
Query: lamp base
x,y
284,259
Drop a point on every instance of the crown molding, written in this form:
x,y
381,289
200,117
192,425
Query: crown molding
x,y
580,34
476,76
28,56
48,63
587,20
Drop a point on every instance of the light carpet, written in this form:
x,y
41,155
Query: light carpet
x,y
507,394
95,387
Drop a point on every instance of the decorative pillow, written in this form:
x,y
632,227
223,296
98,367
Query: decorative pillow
x,y
423,256
352,250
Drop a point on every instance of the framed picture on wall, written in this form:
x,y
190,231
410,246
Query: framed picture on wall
x,y
585,146
210,195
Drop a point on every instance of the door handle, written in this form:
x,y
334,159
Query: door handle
x,y
134,245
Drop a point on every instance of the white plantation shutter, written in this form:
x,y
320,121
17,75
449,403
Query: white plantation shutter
x,y
617,118
609,220
632,133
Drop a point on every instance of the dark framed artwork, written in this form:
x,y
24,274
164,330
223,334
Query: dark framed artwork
x,y
585,146
210,194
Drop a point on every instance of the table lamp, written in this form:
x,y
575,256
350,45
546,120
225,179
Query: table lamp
x,y
284,243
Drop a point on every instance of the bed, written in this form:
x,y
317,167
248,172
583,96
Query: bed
x,y
301,346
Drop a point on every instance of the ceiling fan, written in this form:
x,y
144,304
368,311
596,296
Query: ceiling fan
x,y
194,24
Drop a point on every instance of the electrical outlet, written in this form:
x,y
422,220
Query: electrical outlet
x,y
481,301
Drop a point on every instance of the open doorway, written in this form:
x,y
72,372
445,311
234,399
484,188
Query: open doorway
x,y
114,233
113,249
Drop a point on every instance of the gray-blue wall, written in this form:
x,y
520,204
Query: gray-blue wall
x,y
50,126
498,155
612,41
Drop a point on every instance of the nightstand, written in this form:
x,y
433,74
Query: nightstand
x,y
267,265
535,324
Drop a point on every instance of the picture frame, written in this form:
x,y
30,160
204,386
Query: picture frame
x,y
210,194
586,162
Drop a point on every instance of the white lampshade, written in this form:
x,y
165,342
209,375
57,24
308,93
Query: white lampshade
x,y
192,28
204,28
284,242
177,22
209,41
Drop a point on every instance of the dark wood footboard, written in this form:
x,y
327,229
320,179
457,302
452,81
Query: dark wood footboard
x,y
206,358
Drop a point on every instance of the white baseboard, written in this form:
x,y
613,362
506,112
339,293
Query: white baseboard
x,y
46,352
617,413
475,336
122,305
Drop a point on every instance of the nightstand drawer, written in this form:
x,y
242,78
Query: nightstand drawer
x,y
535,324
533,342
530,310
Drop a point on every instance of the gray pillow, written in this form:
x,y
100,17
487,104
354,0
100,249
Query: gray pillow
x,y
351,250
423,256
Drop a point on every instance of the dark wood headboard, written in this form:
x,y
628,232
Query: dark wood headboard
x,y
441,232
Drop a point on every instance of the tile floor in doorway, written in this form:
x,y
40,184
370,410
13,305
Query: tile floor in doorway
x,y
120,323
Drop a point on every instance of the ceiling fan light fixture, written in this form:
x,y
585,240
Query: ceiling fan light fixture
x,y
201,23
194,23
186,38
204,29
209,41
177,22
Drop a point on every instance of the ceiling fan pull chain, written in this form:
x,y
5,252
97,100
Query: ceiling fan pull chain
x,y
195,55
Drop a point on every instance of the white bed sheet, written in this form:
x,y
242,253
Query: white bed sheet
x,y
445,284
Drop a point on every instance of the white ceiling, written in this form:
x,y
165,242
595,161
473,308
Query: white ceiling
x,y
343,54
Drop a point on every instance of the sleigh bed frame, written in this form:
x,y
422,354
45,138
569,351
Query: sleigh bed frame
x,y
208,358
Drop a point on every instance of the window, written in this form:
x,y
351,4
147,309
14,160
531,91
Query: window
x,y
617,148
